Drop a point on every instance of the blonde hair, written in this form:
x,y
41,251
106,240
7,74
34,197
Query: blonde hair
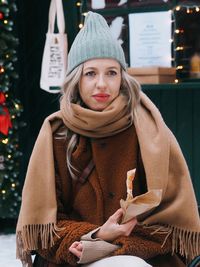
x,y
129,87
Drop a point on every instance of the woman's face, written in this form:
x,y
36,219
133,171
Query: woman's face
x,y
100,83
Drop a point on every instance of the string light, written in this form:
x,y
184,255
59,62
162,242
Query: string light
x,y
178,31
78,4
5,21
16,106
3,191
5,141
9,156
178,48
13,185
80,25
179,67
2,70
188,9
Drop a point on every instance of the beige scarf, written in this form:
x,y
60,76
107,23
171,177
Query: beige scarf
x,y
114,119
164,165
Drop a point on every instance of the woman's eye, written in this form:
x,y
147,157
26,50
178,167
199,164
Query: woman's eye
x,y
112,73
90,73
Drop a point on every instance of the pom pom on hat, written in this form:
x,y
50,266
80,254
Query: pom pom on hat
x,y
94,40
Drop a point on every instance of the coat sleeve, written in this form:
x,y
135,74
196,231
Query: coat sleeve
x,y
71,230
142,243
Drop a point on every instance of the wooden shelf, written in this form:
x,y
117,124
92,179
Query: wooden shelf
x,y
170,86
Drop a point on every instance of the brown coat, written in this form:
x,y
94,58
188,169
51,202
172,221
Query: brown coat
x,y
84,207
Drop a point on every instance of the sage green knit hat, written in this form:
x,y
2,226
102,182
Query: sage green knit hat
x,y
94,40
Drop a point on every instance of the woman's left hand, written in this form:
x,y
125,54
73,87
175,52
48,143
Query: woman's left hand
x,y
76,248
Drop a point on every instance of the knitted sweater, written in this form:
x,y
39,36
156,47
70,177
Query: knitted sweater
x,y
84,207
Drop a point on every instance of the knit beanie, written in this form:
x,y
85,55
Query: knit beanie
x,y
94,40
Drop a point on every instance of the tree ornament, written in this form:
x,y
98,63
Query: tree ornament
x,y
2,98
1,16
5,121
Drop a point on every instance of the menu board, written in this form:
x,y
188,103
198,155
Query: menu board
x,y
107,4
150,39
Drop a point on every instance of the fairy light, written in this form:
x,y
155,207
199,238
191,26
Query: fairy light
x,y
78,3
16,106
80,25
2,70
13,185
185,9
5,141
179,48
9,156
5,21
3,192
13,116
179,67
85,14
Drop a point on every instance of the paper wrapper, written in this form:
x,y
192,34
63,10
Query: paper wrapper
x,y
140,204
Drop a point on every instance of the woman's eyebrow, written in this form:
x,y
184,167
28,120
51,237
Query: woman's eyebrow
x,y
88,68
94,68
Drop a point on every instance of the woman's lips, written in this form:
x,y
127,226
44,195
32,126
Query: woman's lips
x,y
101,97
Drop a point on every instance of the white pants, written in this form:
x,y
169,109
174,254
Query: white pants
x,y
119,261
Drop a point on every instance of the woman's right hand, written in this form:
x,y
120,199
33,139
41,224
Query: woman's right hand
x,y
111,229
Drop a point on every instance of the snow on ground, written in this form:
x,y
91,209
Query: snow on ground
x,y
7,251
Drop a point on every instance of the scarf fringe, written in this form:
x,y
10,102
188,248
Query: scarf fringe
x,y
33,237
184,242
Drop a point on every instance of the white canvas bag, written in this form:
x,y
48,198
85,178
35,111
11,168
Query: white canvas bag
x,y
54,61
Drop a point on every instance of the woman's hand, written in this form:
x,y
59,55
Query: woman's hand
x,y
76,248
111,229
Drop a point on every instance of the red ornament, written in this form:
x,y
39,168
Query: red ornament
x,y
5,121
1,16
2,98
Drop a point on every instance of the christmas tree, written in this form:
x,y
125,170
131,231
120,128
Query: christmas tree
x,y
10,110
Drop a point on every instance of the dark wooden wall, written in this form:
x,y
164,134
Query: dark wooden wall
x,y
180,107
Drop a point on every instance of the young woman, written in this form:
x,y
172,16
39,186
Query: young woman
x,y
106,126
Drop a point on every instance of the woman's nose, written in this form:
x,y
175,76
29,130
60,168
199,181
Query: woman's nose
x,y
101,82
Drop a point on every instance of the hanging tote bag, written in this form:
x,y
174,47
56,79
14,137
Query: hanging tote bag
x,y
54,61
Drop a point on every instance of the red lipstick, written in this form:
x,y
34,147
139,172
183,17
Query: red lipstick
x,y
101,97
